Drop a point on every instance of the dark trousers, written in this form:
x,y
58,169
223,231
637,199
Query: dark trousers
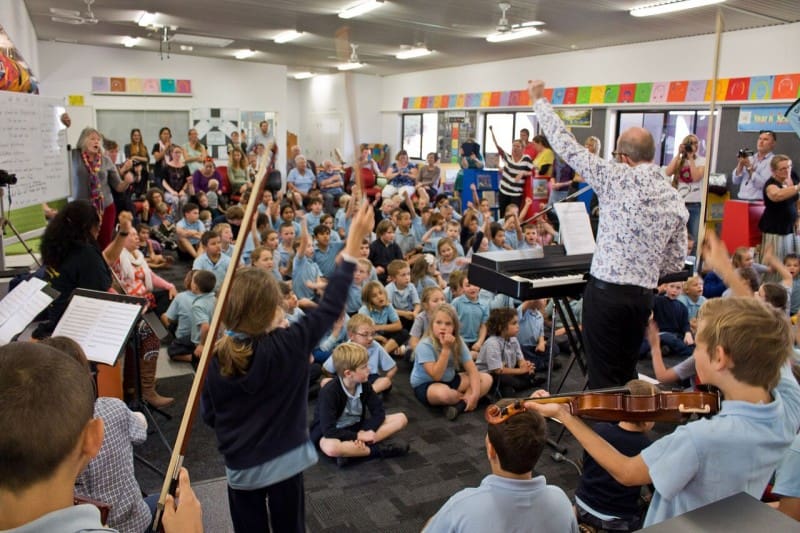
x,y
286,511
614,321
504,201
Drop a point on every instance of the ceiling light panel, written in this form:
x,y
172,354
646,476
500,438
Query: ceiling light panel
x,y
671,7
286,36
200,40
244,54
521,33
359,8
411,53
351,66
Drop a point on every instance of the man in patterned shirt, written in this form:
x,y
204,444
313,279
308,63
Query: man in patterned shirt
x,y
641,236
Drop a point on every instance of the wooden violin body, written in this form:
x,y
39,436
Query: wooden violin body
x,y
621,406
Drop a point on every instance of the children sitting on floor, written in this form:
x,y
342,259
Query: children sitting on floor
x,y
402,294
189,229
383,250
501,355
212,259
377,306
432,297
444,372
511,498
472,315
341,427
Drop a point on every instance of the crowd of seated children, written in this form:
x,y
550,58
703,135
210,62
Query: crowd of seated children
x,y
376,305
402,293
444,373
472,316
341,427
212,259
382,368
432,297
511,498
37,486
602,502
501,355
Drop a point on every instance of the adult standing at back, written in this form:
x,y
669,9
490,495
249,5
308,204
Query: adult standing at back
x,y
752,172
779,219
516,170
262,136
641,236
687,169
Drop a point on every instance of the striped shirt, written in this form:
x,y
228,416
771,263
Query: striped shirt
x,y
511,183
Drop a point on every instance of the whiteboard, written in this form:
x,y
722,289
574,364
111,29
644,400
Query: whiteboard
x,y
33,146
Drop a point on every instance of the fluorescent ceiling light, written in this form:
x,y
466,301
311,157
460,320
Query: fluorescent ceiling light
x,y
411,53
286,36
187,48
147,19
511,35
671,7
359,8
351,66
244,54
200,40
303,75
130,42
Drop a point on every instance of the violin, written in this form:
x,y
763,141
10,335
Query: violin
x,y
615,405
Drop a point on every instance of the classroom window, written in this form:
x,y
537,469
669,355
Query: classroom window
x,y
419,134
507,127
668,129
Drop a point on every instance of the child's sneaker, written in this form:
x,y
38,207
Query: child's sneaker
x,y
391,448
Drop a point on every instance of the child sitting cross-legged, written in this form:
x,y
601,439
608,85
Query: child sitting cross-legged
x,y
377,306
510,498
742,347
444,372
402,294
341,426
361,330
501,355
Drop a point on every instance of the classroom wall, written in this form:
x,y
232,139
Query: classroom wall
x,y
17,24
68,68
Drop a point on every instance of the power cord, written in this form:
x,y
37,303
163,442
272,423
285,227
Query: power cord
x,y
559,457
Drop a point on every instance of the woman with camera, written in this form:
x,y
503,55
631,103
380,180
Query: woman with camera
x,y
687,169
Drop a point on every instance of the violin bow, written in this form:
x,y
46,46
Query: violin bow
x,y
193,402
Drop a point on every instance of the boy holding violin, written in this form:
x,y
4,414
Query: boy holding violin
x,y
742,348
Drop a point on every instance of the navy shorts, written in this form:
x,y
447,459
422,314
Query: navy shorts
x,y
421,390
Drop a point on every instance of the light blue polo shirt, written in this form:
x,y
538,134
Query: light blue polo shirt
x,y
203,262
787,477
710,459
354,301
531,326
340,220
387,315
378,360
180,311
303,270
196,226
406,241
312,221
426,353
403,299
74,518
326,260
470,317
504,504
692,307
303,182
202,311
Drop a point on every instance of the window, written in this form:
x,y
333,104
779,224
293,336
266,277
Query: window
x,y
419,134
507,127
668,129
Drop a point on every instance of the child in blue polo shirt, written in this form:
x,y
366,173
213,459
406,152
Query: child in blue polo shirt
x,y
212,259
313,213
326,250
202,309
178,319
472,315
307,280
285,249
402,294
189,230
377,306
510,498
742,347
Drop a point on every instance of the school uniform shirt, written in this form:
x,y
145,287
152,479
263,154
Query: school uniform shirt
x,y
508,505
331,341
304,270
531,326
378,360
420,325
276,225
194,226
424,283
387,315
220,268
340,220
312,221
470,316
433,241
76,518
295,315
284,256
733,451
303,181
426,353
406,241
497,353
404,299
445,269
787,477
333,402
354,301
326,259
180,311
692,307
202,311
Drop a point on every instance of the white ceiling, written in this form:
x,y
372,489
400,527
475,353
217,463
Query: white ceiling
x,y
455,29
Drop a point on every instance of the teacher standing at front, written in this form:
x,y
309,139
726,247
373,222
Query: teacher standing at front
x,y
641,236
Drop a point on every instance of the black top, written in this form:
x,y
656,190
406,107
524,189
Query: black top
x,y
331,404
597,488
176,177
778,217
670,315
382,254
262,414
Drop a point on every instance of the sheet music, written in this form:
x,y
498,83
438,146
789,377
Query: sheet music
x,y
575,228
21,306
101,327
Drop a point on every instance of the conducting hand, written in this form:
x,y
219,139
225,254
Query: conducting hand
x,y
535,89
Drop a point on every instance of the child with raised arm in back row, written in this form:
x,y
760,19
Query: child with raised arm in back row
x,y
510,498
256,392
444,372
341,427
742,347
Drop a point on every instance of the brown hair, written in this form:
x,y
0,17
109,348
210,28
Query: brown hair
x,y
450,311
46,400
359,320
776,160
499,319
518,441
384,226
349,356
395,266
251,306
756,337
366,293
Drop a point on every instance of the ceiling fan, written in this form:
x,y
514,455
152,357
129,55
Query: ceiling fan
x,y
504,25
68,16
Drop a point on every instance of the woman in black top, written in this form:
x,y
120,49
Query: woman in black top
x,y
778,222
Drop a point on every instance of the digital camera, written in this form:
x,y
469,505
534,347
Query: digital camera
x,y
745,152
